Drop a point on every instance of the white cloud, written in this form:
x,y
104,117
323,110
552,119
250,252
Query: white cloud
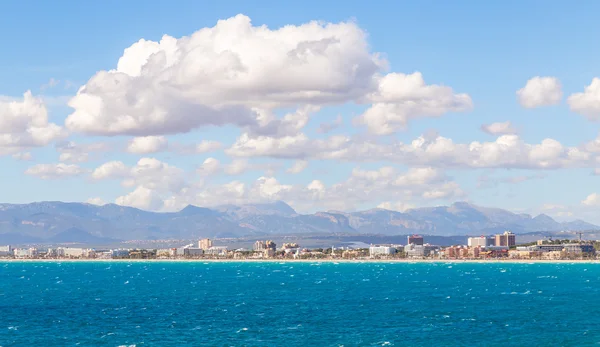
x,y
23,156
592,200
540,91
79,152
499,128
294,147
237,167
73,157
50,84
153,179
24,124
213,167
142,197
507,151
210,166
487,181
218,75
55,171
208,146
110,170
325,128
298,167
395,206
147,144
289,125
401,98
588,102
96,201
363,187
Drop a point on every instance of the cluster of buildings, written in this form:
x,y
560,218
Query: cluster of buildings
x,y
64,253
203,249
553,251
484,247
414,248
481,247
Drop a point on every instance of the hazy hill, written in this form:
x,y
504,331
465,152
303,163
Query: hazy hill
x,y
80,222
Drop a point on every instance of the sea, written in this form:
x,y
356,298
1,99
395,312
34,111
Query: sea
x,y
299,304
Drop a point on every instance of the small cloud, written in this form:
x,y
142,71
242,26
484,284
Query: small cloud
x,y
540,91
327,127
96,201
23,156
50,84
298,167
504,128
395,206
592,200
55,171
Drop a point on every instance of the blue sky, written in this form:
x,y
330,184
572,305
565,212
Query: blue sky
x,y
484,51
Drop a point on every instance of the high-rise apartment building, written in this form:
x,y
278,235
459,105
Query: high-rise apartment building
x,y
415,240
205,244
507,239
259,246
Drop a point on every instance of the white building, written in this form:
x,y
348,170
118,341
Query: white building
x,y
259,246
205,244
6,251
420,251
377,251
22,253
68,252
216,250
481,241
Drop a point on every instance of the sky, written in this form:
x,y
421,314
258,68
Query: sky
x,y
158,105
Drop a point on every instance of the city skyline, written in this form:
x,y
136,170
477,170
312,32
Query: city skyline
x,y
247,105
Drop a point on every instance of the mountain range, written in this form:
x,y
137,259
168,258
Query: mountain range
x,y
60,222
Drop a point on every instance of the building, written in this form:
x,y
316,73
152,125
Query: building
x,y
415,240
142,254
420,251
378,251
291,248
553,255
523,254
216,250
75,252
456,252
6,251
481,241
166,253
205,244
579,248
119,253
23,253
193,252
259,246
542,248
494,252
508,239
475,252
270,245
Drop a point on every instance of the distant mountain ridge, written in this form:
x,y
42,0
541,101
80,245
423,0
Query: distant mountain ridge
x,y
81,222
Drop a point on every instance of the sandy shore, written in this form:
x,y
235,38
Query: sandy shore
x,y
387,261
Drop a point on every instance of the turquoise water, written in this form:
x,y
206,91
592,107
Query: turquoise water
x,y
298,304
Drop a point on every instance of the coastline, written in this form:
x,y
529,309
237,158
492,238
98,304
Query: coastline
x,y
332,261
